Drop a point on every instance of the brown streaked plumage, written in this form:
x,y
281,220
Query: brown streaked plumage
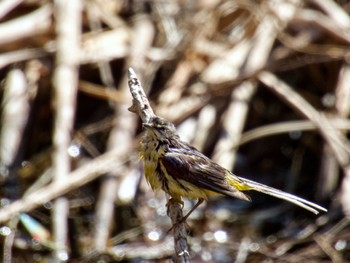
x,y
183,171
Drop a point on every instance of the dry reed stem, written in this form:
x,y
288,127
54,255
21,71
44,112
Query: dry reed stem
x,y
121,135
15,115
79,177
39,21
65,82
7,5
236,114
286,127
338,143
16,105
342,105
298,39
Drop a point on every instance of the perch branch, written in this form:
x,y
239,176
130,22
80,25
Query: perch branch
x,y
140,103
141,106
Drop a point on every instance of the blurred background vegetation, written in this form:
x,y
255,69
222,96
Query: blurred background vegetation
x,y
261,87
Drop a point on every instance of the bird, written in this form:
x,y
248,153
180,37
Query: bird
x,y
182,171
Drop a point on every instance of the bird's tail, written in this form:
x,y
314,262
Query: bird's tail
x,y
312,207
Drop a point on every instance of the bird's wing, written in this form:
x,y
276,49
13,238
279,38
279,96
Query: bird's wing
x,y
195,168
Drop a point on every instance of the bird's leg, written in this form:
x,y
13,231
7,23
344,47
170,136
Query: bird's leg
x,y
200,200
184,218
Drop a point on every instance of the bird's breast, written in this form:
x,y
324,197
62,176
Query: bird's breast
x,y
151,153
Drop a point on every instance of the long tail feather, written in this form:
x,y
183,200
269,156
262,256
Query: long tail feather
x,y
312,207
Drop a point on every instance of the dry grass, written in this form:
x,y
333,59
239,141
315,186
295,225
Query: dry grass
x,y
262,87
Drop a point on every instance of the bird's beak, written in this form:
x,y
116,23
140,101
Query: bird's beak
x,y
147,126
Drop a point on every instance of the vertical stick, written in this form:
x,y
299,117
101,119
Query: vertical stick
x,y
142,107
68,29
179,230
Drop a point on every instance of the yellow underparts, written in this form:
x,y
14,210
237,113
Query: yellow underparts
x,y
176,188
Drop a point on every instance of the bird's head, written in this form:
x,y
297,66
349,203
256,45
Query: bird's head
x,y
161,128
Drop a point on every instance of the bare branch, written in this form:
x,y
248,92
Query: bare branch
x,y
140,103
142,107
